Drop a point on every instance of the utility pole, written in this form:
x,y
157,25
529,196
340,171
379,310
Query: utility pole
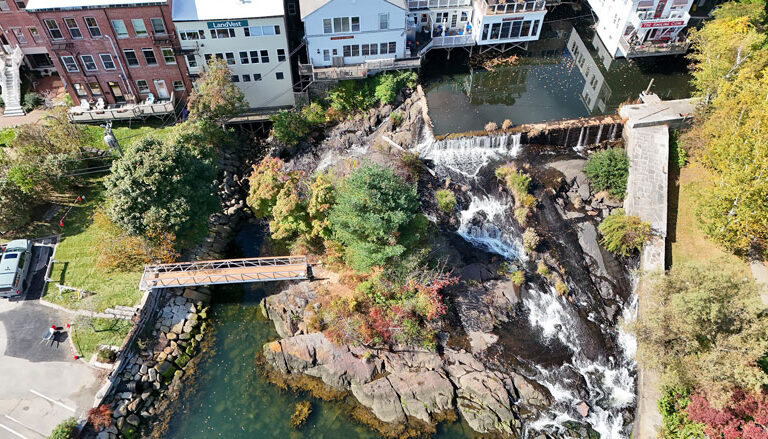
x,y
110,139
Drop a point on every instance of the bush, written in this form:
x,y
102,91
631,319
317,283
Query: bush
x,y
518,278
389,84
65,430
491,127
677,155
315,114
100,417
106,355
608,170
506,125
675,421
289,126
397,118
624,234
542,269
446,200
352,96
518,183
375,217
561,288
6,136
521,215
531,240
156,187
31,101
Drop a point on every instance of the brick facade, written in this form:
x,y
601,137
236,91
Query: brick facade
x,y
97,65
22,29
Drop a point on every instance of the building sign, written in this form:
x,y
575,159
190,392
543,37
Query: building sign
x,y
512,18
662,24
227,24
346,37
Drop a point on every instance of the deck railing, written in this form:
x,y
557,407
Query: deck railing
x,y
121,111
496,7
357,71
636,50
428,4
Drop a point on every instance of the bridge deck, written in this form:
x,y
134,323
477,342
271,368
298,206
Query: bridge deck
x,y
227,271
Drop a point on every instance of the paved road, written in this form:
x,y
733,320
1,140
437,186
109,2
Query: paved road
x,y
40,383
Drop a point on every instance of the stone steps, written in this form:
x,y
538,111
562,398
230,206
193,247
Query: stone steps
x,y
121,312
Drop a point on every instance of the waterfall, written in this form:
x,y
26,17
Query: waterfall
x,y
580,144
469,155
483,224
567,134
614,131
599,135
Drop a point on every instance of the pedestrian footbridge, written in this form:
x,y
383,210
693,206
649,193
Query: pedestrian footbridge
x,y
227,271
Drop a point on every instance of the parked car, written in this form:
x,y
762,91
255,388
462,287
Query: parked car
x,y
14,266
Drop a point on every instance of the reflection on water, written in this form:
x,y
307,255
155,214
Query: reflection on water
x,y
565,75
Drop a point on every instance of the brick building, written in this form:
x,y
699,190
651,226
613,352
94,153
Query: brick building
x,y
22,29
117,50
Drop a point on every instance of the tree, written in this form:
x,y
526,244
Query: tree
x,y
157,187
375,217
215,97
704,328
15,207
744,417
624,234
608,170
289,126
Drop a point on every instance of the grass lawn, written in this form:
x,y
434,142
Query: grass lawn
x,y
127,133
87,338
76,262
688,241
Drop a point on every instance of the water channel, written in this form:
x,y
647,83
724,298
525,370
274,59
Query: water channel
x,y
562,76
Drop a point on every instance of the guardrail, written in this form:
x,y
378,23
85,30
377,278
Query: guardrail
x,y
358,71
636,50
427,4
512,7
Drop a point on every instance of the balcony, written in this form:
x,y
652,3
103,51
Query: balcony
x,y
430,4
447,41
643,20
504,7
121,111
357,71
650,48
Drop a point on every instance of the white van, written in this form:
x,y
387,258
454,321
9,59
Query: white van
x,y
14,266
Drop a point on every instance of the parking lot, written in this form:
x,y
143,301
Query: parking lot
x,y
41,384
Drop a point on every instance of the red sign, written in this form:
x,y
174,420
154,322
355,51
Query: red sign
x,y
512,18
346,37
663,24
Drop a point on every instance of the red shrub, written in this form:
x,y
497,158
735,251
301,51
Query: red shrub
x,y
100,417
743,418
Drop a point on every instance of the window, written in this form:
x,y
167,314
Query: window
x,y
222,33
4,6
149,56
178,85
246,78
120,30
20,4
130,57
442,17
142,85
35,34
265,56
280,55
69,63
327,26
107,61
89,64
535,28
383,21
269,30
392,47
208,58
505,27
79,90
252,31
158,26
235,78
219,55
138,27
244,58
355,24
95,88
191,60
526,28
74,30
255,56
93,27
384,48
279,76
365,51
230,58
53,29
495,30
192,35
464,16
257,76
341,24
168,57
19,34
516,25
291,8
326,55
374,49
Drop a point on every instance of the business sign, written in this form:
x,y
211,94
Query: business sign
x,y
346,37
227,24
512,18
662,24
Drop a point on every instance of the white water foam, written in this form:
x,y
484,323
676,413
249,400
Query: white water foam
x,y
487,234
468,155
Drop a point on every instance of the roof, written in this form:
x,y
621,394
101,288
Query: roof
x,y
17,244
33,5
198,10
307,7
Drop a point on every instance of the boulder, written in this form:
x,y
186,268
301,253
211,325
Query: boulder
x,y
133,420
583,409
423,394
381,398
286,308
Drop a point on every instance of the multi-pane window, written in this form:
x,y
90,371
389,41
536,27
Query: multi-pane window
x,y
191,60
223,33
20,4
35,34
73,28
246,78
95,88
158,26
392,47
93,27
89,64
107,61
265,56
383,21
192,35
120,30
53,29
230,58
138,27
69,63
254,56
235,78
279,75
353,50
142,85
341,24
178,85
355,24
149,56
280,55
326,55
130,57
257,31
168,56
327,26
244,58
19,34
257,76
79,89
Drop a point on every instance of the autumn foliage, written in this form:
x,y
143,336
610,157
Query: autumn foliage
x,y
745,417
100,417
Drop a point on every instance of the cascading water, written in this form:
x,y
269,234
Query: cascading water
x,y
605,383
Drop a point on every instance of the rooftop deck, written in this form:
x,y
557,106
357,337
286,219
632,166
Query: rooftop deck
x,y
126,111
429,4
504,7
358,71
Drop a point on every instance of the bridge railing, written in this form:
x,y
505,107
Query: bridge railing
x,y
226,263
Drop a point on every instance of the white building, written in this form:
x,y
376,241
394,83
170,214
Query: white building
x,y
515,23
634,28
250,35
